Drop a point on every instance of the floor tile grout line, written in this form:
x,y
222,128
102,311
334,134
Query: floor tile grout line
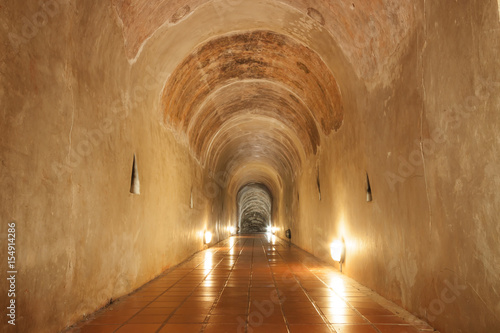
x,y
216,301
346,301
343,299
368,322
300,270
340,296
184,301
296,248
277,291
322,315
249,299
144,307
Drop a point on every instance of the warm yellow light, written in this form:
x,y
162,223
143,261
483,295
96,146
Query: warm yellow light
x,y
271,239
208,263
232,230
272,230
337,251
208,237
337,284
232,241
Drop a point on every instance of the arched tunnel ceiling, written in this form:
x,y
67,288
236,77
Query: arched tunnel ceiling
x,y
368,32
256,85
254,172
249,76
249,138
260,98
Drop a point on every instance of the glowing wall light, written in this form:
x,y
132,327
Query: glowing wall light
x,y
232,230
272,230
337,251
271,238
207,237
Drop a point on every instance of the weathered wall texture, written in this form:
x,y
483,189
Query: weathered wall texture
x,y
428,141
74,112
308,98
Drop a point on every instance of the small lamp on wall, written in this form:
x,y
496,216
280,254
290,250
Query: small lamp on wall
x,y
337,251
207,237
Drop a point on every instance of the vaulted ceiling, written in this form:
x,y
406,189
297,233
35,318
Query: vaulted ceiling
x,y
261,82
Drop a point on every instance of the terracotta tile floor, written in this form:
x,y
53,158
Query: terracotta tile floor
x,y
252,284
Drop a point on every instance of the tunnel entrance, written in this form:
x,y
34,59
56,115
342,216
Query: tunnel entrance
x,y
254,208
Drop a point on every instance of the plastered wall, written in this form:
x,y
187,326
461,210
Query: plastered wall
x,y
428,141
74,112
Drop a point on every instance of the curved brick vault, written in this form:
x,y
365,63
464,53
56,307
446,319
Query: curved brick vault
x,y
252,93
262,96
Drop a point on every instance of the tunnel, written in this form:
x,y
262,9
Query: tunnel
x,y
342,153
254,209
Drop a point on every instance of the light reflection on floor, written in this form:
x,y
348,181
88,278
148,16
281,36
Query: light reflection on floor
x,y
250,284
